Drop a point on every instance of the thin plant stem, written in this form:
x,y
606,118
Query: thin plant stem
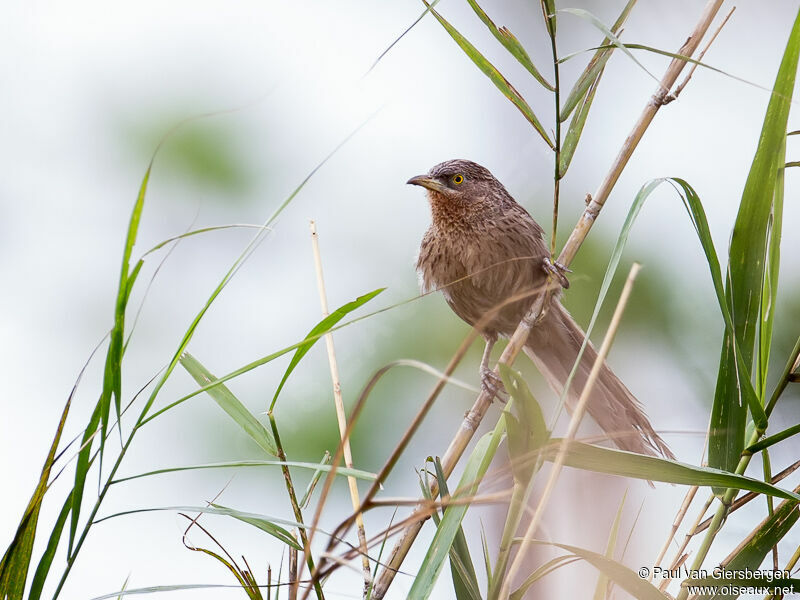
x,y
687,501
298,513
557,159
340,414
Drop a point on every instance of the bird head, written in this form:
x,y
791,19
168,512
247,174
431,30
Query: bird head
x,y
458,180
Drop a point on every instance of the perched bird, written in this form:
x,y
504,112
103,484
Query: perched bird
x,y
486,255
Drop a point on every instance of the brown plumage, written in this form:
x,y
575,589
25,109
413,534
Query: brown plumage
x,y
482,249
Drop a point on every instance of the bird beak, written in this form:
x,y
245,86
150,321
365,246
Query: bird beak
x,y
427,182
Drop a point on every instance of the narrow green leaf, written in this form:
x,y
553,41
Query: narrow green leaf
x,y
320,468
526,431
510,43
438,551
586,15
323,468
494,75
549,10
575,129
316,332
773,439
769,292
112,376
742,369
231,405
17,558
682,57
210,510
694,208
46,560
591,74
747,264
264,525
465,582
651,468
81,470
401,36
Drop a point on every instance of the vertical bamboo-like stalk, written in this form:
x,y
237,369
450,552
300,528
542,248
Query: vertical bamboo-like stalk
x,y
341,417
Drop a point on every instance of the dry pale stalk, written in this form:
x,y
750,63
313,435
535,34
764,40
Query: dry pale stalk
x,y
687,501
692,491
674,95
340,414
517,341
575,420
680,556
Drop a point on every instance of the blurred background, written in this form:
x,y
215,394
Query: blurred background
x,y
90,90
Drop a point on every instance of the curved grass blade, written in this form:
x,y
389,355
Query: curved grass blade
x,y
17,558
81,470
773,439
401,36
317,331
257,463
621,575
312,484
511,43
231,405
264,525
697,215
270,357
660,52
576,127
210,510
596,65
640,466
769,293
171,588
586,15
46,560
747,265
494,75
541,572
112,377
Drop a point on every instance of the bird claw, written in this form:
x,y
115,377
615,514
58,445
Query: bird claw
x,y
493,385
558,270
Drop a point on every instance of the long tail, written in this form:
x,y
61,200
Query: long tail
x,y
553,346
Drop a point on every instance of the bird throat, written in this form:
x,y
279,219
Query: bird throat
x,y
454,215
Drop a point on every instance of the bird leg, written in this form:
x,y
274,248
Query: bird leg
x,y
490,381
556,269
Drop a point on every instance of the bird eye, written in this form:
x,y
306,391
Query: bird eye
x,y
458,179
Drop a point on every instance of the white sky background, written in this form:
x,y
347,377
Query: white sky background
x,y
80,77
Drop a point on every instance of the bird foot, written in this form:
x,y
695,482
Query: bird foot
x,y
493,385
558,270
